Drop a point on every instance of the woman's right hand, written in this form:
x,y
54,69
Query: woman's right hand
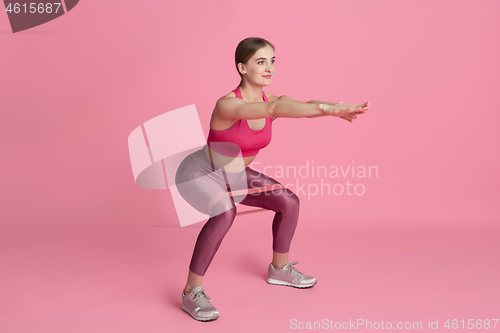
x,y
344,110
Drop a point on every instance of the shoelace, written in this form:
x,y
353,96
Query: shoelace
x,y
200,298
293,270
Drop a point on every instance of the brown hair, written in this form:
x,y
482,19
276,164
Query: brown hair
x,y
246,49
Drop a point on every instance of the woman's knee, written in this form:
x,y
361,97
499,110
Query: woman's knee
x,y
225,209
218,225
287,199
292,199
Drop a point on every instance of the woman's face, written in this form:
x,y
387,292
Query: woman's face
x,y
259,70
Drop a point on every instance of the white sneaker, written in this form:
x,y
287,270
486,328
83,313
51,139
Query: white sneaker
x,y
289,276
197,304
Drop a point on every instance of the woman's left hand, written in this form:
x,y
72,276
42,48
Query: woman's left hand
x,y
364,107
349,118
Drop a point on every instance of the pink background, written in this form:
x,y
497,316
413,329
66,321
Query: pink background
x,y
84,249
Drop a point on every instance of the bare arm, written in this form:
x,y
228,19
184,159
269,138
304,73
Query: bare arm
x,y
321,102
286,107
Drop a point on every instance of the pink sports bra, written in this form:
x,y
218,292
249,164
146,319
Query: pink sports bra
x,y
240,136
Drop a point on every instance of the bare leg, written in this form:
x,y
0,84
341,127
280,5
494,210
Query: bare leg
x,y
192,282
280,259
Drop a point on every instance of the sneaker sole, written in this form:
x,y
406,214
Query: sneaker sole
x,y
282,283
215,316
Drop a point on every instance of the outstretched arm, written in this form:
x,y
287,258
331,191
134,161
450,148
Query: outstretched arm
x,y
286,107
348,118
321,102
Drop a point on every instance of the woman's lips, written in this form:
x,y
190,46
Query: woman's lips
x,y
267,76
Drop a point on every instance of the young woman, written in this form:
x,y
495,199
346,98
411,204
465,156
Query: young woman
x,y
240,126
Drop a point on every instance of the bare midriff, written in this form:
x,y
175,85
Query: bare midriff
x,y
230,164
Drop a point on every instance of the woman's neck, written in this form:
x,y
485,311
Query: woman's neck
x,y
251,93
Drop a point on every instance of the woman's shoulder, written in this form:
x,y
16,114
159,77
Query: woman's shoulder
x,y
231,94
269,96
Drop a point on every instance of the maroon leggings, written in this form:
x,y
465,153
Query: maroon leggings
x,y
198,183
